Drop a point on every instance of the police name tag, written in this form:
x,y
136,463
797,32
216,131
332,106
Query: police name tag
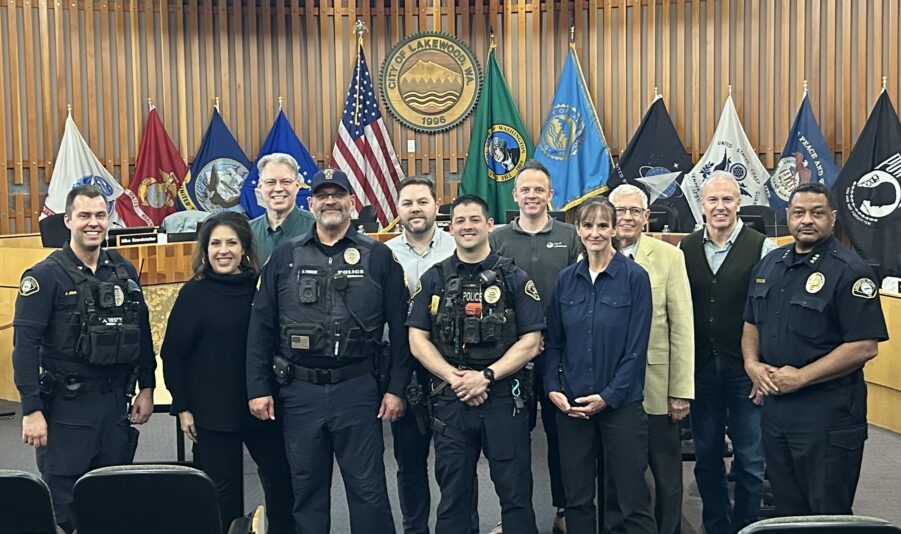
x,y
300,342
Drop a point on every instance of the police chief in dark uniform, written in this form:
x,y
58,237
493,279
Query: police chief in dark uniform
x,y
321,308
475,321
82,335
812,320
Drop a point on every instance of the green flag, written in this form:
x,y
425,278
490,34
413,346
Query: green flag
x,y
498,146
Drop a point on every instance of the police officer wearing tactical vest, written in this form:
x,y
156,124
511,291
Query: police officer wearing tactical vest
x,y
321,308
812,320
82,338
475,322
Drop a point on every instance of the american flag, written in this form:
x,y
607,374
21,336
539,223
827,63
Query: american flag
x,y
363,150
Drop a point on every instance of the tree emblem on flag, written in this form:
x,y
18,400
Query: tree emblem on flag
x,y
563,131
505,152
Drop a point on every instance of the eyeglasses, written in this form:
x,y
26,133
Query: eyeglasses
x,y
337,195
635,212
284,182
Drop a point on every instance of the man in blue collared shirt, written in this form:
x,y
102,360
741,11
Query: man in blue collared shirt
x,y
719,259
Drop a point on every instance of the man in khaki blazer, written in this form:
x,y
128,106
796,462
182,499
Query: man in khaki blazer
x,y
669,380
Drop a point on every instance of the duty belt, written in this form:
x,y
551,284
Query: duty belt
x,y
72,384
331,376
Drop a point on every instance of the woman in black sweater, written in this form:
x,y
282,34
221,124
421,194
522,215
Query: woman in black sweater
x,y
203,364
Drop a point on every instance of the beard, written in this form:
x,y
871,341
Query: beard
x,y
332,219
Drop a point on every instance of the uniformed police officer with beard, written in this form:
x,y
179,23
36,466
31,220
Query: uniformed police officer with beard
x,y
475,321
321,308
81,319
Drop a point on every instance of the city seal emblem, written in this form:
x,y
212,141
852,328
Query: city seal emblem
x,y
430,81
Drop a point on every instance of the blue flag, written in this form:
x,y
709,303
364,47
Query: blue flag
x,y
281,138
572,144
805,158
217,174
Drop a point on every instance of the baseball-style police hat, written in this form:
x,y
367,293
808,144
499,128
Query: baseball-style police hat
x,y
331,177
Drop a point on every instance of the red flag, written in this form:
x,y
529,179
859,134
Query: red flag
x,y
159,171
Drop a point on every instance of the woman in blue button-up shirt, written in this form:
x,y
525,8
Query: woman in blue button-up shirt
x,y
599,320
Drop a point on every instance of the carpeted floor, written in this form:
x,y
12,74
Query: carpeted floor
x,y
877,494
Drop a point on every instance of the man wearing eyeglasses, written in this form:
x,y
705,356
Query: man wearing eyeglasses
x,y
321,308
278,186
669,379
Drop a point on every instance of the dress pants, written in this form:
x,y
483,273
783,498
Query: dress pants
x,y
324,422
223,461
619,437
549,422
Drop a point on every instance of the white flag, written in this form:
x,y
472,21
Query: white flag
x,y
729,151
77,165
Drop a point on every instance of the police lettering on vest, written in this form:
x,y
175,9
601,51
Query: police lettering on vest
x,y
104,328
474,323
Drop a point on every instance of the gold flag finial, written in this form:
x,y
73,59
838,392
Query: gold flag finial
x,y
884,82
730,89
359,29
280,101
149,104
492,42
656,91
216,104
805,87
572,35
69,108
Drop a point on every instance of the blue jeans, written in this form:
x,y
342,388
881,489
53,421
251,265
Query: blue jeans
x,y
721,399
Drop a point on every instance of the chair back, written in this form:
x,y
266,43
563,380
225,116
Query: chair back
x,y
146,499
54,233
851,524
25,505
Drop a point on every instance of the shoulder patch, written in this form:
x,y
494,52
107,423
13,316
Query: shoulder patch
x,y
29,286
864,288
532,291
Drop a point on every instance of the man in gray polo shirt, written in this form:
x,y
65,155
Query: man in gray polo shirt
x,y
421,245
278,185
542,247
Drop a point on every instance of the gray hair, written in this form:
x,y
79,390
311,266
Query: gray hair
x,y
625,190
278,157
725,175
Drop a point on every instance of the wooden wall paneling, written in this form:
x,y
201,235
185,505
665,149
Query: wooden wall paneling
x,y
653,79
862,96
767,130
202,102
409,29
454,135
148,62
166,63
667,46
638,58
47,85
795,85
622,100
19,210
609,118
787,25
326,119
14,95
813,73
180,132
846,74
829,126
122,103
310,57
74,64
8,221
105,64
31,116
60,98
253,140
725,45
893,82
752,119
136,60
225,40
877,21
297,68
695,78
270,77
89,74
706,100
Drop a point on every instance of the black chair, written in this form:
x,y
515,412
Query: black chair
x,y
54,233
149,499
25,506
367,214
445,209
663,216
851,524
774,224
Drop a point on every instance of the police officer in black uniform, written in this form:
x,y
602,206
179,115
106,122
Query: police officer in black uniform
x,y
321,308
475,322
82,336
812,320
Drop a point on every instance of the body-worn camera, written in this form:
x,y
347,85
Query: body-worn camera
x,y
309,290
471,330
106,295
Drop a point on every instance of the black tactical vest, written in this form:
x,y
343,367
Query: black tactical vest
x,y
104,328
331,307
475,324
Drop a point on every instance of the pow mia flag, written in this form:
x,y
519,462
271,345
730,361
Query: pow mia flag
x,y
868,189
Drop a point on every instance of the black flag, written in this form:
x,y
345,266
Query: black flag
x,y
868,189
656,161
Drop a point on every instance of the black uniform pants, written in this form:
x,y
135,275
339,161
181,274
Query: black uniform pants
x,y
617,439
336,421
88,431
813,440
665,462
461,434
549,422
223,461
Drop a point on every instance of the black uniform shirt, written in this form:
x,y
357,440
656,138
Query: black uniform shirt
x,y
521,292
263,333
806,305
46,288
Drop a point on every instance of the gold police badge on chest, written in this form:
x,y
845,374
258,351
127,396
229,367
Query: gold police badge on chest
x,y
351,256
492,294
815,283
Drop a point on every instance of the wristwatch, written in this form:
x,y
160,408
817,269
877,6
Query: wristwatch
x,y
489,374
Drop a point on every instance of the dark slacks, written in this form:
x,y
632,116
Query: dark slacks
x,y
549,422
223,461
336,421
83,433
721,400
618,439
461,434
814,441
665,462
